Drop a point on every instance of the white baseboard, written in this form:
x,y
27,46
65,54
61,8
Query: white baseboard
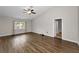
x,y
5,35
71,41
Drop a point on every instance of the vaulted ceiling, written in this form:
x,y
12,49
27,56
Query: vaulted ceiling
x,y
17,11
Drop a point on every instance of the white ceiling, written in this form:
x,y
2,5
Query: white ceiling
x,y
17,11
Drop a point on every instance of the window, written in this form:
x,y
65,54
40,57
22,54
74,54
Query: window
x,y
19,25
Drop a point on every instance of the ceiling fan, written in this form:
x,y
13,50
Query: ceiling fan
x,y
30,10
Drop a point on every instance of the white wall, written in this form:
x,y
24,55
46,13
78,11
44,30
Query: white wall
x,y
70,24
6,26
28,26
78,24
43,24
69,15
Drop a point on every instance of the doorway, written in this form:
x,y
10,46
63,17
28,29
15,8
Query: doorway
x,y
58,28
19,27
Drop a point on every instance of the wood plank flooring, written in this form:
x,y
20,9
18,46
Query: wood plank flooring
x,y
35,43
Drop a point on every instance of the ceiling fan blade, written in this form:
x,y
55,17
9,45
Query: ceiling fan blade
x,y
33,12
29,10
25,10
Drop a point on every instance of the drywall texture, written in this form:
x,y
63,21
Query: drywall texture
x,y
44,24
78,24
6,25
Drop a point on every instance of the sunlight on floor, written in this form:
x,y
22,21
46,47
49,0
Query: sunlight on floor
x,y
19,41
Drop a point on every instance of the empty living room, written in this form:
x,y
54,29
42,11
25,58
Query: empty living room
x,y
39,29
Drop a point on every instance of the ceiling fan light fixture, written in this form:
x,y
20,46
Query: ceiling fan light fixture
x,y
29,12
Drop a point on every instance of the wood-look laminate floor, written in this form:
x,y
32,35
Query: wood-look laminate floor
x,y
35,43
